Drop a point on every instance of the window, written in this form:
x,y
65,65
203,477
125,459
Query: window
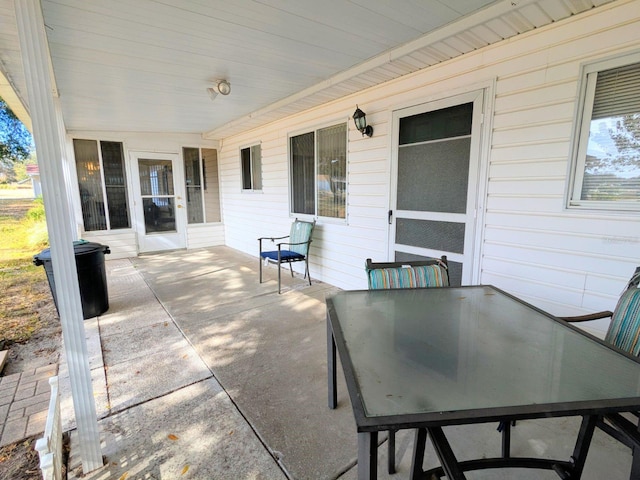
x,y
103,184
251,159
319,172
201,185
607,153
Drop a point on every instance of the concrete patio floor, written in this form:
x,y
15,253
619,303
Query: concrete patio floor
x,y
201,372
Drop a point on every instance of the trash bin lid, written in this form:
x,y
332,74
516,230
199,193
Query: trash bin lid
x,y
80,247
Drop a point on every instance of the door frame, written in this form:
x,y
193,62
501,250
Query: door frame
x,y
159,241
478,170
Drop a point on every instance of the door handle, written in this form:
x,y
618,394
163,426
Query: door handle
x,y
390,216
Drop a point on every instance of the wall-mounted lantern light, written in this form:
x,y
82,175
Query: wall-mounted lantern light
x,y
360,119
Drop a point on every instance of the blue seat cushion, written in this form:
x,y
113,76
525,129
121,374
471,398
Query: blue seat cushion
x,y
285,256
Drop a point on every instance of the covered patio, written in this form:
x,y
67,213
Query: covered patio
x,y
200,369
176,128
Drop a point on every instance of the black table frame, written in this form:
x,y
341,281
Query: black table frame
x,y
593,413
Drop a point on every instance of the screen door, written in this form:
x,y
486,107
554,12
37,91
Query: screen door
x,y
433,205
160,213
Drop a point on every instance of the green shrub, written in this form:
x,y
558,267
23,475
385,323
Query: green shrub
x,y
36,213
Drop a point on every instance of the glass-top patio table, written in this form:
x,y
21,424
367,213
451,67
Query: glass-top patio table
x,y
427,358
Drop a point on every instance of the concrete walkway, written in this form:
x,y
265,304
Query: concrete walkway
x,y
201,372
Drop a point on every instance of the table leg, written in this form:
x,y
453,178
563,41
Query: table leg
x,y
419,444
446,456
635,463
367,455
506,439
583,442
391,464
331,367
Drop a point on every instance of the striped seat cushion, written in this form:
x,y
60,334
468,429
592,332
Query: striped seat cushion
x,y
407,277
625,322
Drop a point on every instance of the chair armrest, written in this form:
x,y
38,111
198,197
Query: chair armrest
x,y
273,238
590,316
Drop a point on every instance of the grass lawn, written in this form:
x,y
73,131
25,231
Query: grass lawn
x,y
25,292
23,232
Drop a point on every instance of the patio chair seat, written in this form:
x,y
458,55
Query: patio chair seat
x,y
296,249
285,256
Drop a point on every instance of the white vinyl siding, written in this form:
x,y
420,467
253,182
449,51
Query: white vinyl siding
x,y
565,261
122,244
205,235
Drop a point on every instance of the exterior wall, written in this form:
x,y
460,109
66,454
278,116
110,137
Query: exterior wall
x,y
123,242
205,235
529,243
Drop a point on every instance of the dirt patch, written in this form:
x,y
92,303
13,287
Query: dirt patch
x,y
19,461
15,208
45,345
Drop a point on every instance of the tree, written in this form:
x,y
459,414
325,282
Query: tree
x,y
16,143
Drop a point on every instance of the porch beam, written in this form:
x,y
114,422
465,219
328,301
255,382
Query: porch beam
x,y
49,137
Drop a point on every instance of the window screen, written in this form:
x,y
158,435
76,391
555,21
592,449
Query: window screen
x,y
608,155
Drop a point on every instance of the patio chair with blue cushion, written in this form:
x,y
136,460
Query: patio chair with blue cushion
x,y
411,274
295,250
623,333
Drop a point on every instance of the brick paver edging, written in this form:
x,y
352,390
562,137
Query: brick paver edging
x,y
24,400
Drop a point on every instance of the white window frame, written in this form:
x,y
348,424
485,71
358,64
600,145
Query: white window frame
x,y
586,94
315,130
103,183
252,168
203,184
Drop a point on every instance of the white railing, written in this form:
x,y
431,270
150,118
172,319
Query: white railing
x,y
49,447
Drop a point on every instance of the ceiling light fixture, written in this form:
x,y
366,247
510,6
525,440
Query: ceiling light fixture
x,y
222,87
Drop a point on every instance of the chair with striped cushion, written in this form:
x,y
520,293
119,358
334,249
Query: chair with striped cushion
x,y
623,333
416,274
295,250
624,329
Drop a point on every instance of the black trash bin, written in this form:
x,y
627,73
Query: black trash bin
x,y
92,276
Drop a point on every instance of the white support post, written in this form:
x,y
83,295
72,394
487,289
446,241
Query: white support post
x,y
47,132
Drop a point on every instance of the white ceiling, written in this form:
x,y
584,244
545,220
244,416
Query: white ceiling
x,y
145,65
